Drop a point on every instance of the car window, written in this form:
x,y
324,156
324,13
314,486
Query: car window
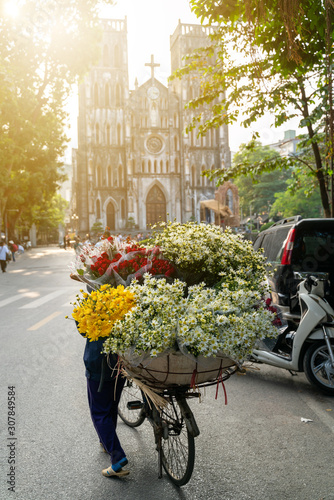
x,y
314,248
258,242
273,243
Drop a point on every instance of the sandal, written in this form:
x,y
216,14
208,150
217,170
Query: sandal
x,y
111,473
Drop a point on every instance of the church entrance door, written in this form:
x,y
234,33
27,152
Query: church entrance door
x,y
155,206
111,216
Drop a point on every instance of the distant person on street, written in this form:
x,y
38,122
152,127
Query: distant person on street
x,y
105,236
20,249
4,253
65,242
77,244
13,248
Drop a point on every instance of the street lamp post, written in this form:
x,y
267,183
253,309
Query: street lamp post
x,y
75,219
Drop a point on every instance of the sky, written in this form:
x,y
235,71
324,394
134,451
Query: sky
x,y
150,24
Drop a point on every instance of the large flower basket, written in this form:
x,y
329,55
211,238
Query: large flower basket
x,y
175,368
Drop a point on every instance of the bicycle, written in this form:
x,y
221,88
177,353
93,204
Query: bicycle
x,y
174,425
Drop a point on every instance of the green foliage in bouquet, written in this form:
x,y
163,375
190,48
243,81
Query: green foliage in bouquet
x,y
205,252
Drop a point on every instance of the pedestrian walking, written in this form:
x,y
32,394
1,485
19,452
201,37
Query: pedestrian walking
x,y
5,255
13,248
20,249
77,244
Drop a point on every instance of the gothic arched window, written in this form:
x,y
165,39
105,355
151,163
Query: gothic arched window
x,y
229,199
98,209
99,176
120,175
203,177
96,95
192,138
108,141
97,133
193,175
105,55
118,95
117,56
119,135
109,176
122,209
107,94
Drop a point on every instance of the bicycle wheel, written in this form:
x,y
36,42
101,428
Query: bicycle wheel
x,y
178,445
131,406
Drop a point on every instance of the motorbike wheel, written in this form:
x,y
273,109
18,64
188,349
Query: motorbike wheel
x,y
318,367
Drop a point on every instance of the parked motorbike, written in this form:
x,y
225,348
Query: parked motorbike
x,y
308,346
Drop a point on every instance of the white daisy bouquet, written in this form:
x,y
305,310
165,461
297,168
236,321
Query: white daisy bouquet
x,y
204,252
206,322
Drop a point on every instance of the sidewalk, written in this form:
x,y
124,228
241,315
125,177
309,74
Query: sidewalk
x,y
26,258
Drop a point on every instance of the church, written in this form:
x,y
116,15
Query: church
x,y
135,165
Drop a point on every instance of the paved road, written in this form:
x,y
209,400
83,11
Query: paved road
x,y
255,448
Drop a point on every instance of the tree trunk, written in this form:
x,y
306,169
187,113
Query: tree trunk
x,y
317,157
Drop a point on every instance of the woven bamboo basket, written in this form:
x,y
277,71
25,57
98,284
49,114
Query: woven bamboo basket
x,y
174,368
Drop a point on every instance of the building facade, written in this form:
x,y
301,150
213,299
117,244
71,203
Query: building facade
x,y
135,165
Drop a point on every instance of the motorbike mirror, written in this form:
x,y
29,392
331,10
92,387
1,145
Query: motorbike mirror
x,y
309,282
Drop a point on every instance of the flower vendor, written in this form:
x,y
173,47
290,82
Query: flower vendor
x,y
104,385
191,290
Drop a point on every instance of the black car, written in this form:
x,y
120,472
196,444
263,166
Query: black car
x,y
294,247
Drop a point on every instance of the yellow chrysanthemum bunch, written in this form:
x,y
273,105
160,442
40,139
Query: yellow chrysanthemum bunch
x,y
96,313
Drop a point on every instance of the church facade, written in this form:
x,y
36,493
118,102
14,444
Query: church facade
x,y
135,165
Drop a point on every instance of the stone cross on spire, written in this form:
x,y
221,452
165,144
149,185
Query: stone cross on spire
x,y
153,65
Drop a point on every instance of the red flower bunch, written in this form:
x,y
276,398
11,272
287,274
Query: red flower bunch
x,y
132,260
277,321
162,266
101,264
141,262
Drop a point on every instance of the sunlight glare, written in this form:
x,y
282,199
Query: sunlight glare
x,y
11,8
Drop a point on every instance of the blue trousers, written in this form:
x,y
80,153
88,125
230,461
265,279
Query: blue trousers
x,y
103,408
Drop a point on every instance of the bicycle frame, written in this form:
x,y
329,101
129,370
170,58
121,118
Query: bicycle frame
x,y
174,425
160,427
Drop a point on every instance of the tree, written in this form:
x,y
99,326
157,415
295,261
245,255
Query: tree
x,y
289,203
48,216
268,56
258,190
43,51
97,228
